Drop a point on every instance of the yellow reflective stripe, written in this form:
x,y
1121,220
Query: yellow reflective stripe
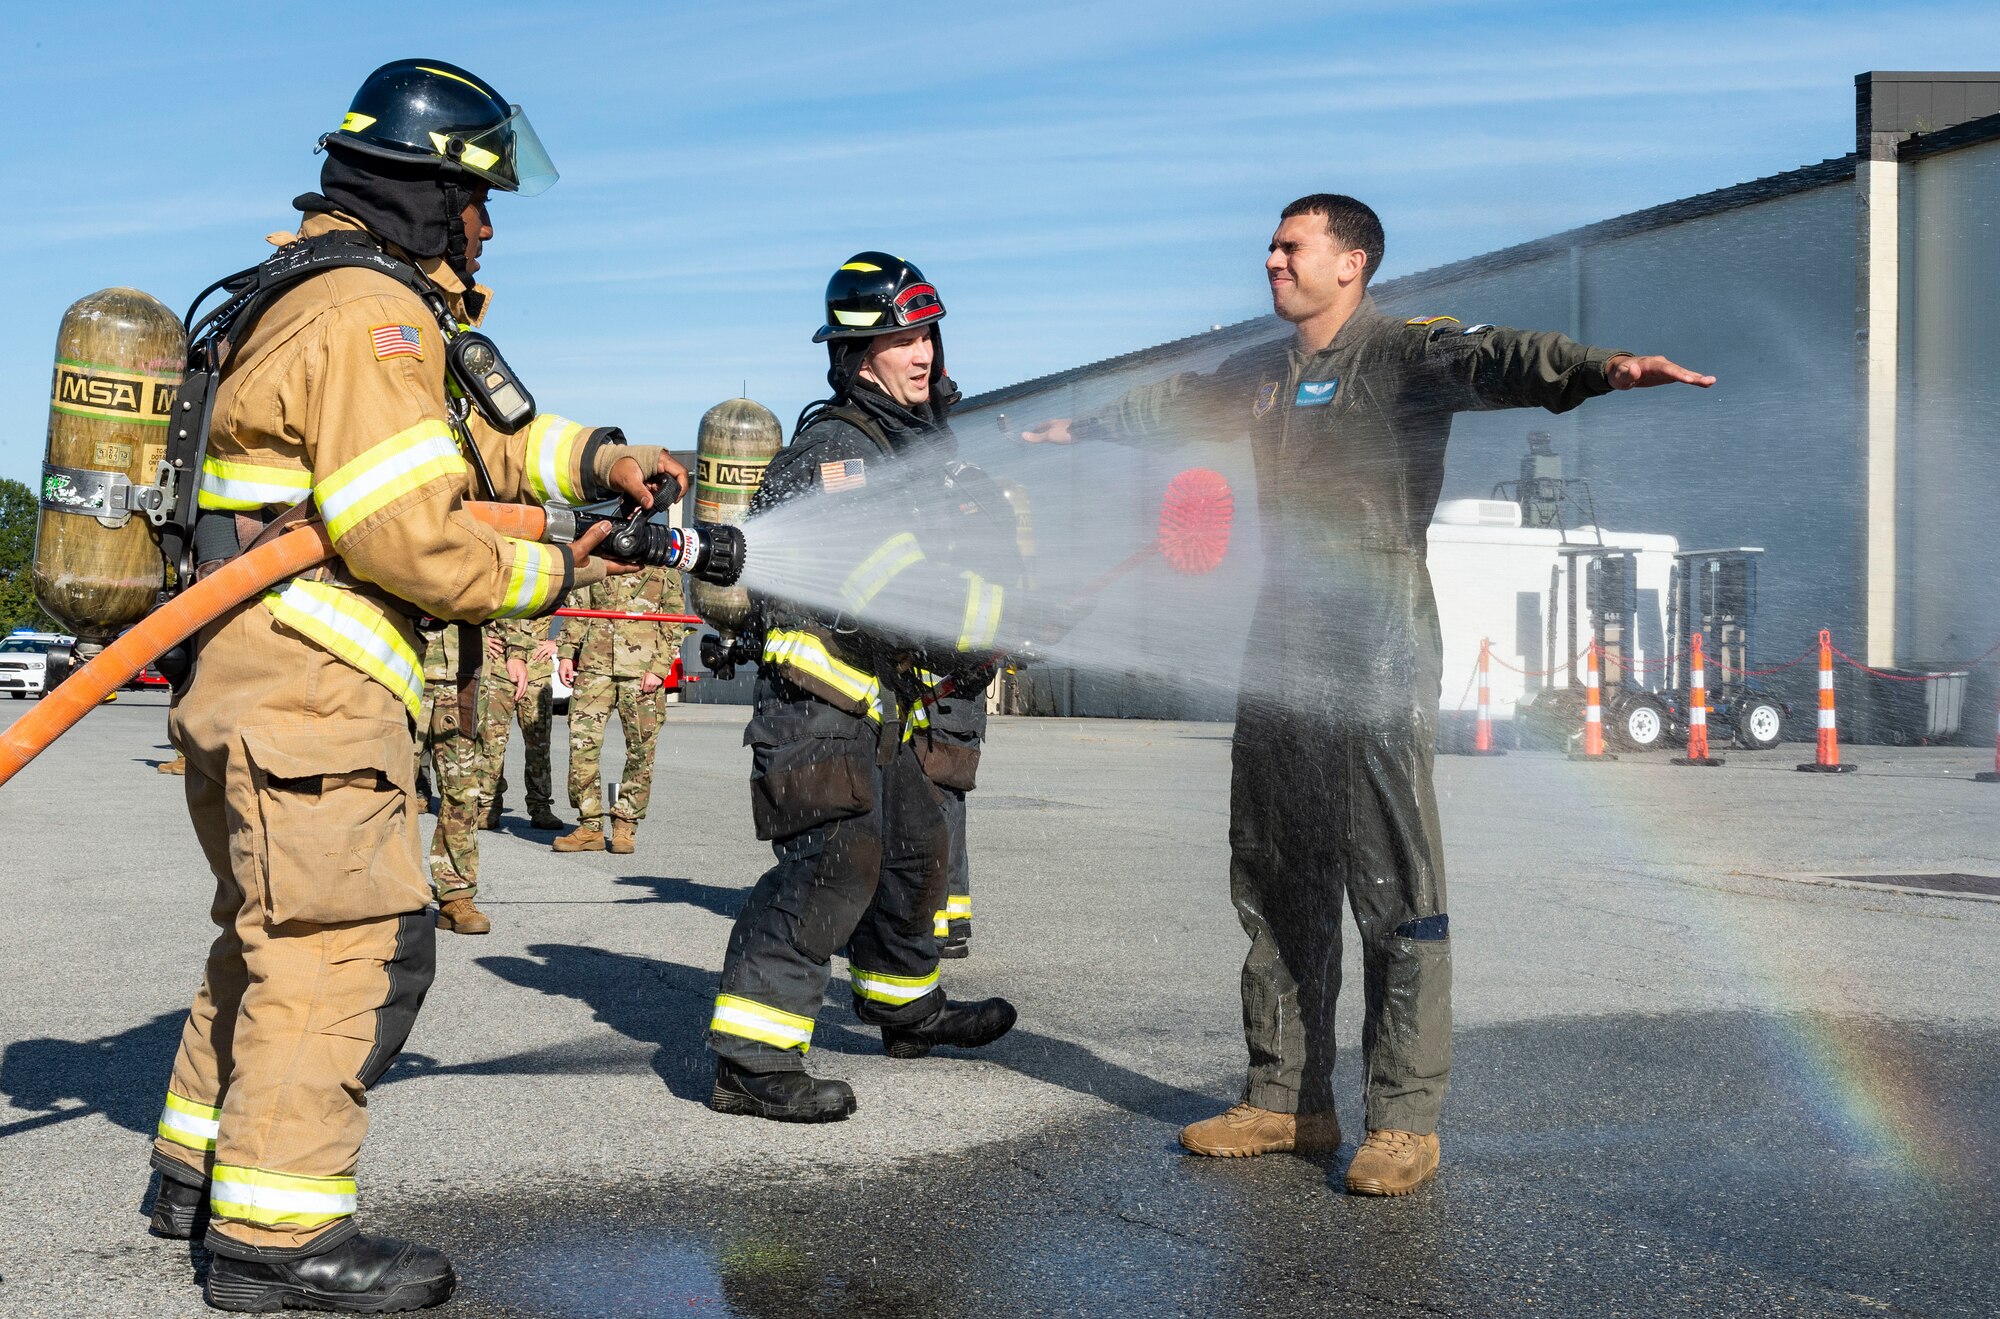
x,y
239,487
879,569
355,630
867,267
552,446
959,906
533,579
469,155
982,613
807,653
406,461
896,990
353,122
753,1021
276,1199
187,1123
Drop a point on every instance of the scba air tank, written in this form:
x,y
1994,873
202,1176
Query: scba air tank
x,y
737,441
120,355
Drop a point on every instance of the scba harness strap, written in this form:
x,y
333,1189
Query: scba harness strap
x,y
171,504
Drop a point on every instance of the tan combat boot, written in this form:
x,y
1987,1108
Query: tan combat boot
x,y
1246,1130
178,765
586,837
1393,1163
621,836
460,916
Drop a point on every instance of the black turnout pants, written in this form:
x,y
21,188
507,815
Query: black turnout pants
x,y
861,845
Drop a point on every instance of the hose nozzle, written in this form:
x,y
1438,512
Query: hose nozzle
x,y
711,551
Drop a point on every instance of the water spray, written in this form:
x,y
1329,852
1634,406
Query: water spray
x,y
1196,514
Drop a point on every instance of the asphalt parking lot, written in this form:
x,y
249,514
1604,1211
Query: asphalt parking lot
x,y
1700,1069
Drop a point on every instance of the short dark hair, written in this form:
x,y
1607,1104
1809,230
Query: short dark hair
x,y
1352,222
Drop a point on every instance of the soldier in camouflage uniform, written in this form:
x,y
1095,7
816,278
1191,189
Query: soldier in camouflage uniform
x,y
620,666
462,798
526,653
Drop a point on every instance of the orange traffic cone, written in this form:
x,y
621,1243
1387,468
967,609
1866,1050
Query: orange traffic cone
x,y
1994,777
1697,710
1593,713
1482,731
1828,759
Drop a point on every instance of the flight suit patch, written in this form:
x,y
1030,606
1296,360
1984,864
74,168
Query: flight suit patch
x,y
1267,398
1316,393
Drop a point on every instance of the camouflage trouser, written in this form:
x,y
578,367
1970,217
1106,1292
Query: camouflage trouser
x,y
590,707
463,799
498,710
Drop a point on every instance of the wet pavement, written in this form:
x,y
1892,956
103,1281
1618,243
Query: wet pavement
x,y
1693,1076
1628,1165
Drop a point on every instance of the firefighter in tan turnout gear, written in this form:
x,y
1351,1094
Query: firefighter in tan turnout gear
x,y
296,721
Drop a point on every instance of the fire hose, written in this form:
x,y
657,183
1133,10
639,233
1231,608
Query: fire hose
x,y
709,552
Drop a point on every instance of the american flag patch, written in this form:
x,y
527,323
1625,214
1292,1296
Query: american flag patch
x,y
397,341
847,474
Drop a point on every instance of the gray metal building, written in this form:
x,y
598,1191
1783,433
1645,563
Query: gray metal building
x,y
1849,309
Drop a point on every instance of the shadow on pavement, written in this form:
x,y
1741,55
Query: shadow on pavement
x,y
122,1076
724,901
666,1004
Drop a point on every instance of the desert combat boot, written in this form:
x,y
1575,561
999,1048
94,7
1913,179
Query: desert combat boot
x,y
1393,1163
586,837
1246,1130
622,834
460,916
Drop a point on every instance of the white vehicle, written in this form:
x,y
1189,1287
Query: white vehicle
x,y
1499,580
24,661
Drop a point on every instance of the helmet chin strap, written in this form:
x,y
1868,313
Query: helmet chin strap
x,y
456,199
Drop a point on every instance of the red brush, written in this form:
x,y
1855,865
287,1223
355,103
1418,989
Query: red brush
x,y
1196,514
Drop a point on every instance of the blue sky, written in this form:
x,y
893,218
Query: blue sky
x,y
1079,179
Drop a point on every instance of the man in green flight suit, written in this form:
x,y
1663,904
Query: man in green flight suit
x,y
623,666
1331,791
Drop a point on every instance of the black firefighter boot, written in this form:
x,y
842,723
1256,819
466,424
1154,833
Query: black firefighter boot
x,y
793,1095
958,1025
360,1275
180,1210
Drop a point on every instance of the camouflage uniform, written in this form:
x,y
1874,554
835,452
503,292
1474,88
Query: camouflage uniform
x,y
499,708
611,658
463,798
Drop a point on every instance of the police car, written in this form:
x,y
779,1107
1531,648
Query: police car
x,y
24,661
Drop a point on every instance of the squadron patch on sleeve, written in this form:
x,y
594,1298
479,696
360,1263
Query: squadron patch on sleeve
x,y
847,474
1267,398
397,341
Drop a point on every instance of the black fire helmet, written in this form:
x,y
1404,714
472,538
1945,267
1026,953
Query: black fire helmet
x,y
430,112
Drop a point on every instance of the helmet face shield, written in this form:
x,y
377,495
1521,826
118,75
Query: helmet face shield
x,y
509,155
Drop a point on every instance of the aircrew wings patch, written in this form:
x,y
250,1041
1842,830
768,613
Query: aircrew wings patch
x,y
397,341
847,474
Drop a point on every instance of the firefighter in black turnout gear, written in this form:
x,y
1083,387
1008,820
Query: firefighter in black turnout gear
x,y
1331,793
853,766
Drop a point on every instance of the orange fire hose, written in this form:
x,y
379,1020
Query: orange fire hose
x,y
287,555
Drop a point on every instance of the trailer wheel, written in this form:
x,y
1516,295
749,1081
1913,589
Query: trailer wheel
x,y
1641,725
1760,726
